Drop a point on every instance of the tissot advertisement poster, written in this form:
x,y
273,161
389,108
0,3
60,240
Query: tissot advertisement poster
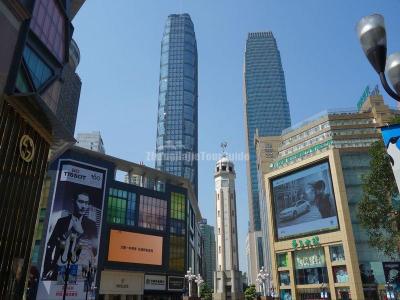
x,y
74,228
304,202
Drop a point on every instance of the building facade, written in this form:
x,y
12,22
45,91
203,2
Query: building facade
x,y
91,140
36,38
208,236
140,237
227,277
177,145
313,183
266,110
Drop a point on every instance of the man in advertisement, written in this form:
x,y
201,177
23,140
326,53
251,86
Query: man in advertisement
x,y
72,239
322,199
67,235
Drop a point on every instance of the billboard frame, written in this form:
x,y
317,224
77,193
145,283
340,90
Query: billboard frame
x,y
272,201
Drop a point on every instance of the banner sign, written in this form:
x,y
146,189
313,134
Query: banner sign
x,y
176,283
73,231
391,135
155,282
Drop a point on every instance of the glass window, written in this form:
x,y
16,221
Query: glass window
x,y
188,98
121,207
284,278
282,259
343,293
188,84
152,213
163,85
188,112
286,295
340,274
177,206
177,253
48,23
337,253
40,72
188,71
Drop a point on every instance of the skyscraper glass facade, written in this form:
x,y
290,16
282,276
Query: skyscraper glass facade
x,y
176,145
266,106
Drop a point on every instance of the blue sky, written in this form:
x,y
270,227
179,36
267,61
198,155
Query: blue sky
x,y
120,55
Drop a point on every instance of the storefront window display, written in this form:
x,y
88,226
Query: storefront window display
x,y
337,253
284,278
310,266
340,274
282,259
286,295
343,293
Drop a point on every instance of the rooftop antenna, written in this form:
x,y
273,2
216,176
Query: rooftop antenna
x,y
223,146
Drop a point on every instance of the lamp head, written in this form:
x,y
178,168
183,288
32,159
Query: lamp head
x,y
393,70
372,34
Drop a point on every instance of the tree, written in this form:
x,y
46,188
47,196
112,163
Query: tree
x,y
250,293
376,212
206,292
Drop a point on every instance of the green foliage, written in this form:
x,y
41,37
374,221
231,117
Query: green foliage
x,y
250,293
206,292
375,210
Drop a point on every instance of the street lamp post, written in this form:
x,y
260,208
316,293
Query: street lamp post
x,y
190,277
89,273
69,258
372,34
199,281
264,279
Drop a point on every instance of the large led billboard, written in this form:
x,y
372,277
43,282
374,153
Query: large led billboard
x,y
74,229
304,202
137,248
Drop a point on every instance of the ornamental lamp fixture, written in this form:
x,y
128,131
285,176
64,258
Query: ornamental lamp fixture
x,y
372,35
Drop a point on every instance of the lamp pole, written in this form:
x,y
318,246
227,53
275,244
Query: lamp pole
x,y
72,257
372,35
199,281
264,279
190,277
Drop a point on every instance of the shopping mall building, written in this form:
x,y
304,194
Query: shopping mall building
x,y
312,183
137,226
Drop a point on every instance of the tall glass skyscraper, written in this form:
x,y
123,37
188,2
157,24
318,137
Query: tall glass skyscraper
x,y
266,106
176,146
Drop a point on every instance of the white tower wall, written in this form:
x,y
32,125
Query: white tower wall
x,y
227,278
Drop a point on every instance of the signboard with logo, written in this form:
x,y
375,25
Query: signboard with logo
x,y
176,283
74,223
155,282
121,283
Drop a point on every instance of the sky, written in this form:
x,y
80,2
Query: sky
x,y
120,45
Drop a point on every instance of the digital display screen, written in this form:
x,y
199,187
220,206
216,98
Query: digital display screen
x,y
304,202
137,248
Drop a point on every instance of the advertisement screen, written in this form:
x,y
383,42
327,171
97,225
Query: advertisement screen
x,y
391,138
73,231
137,248
304,202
